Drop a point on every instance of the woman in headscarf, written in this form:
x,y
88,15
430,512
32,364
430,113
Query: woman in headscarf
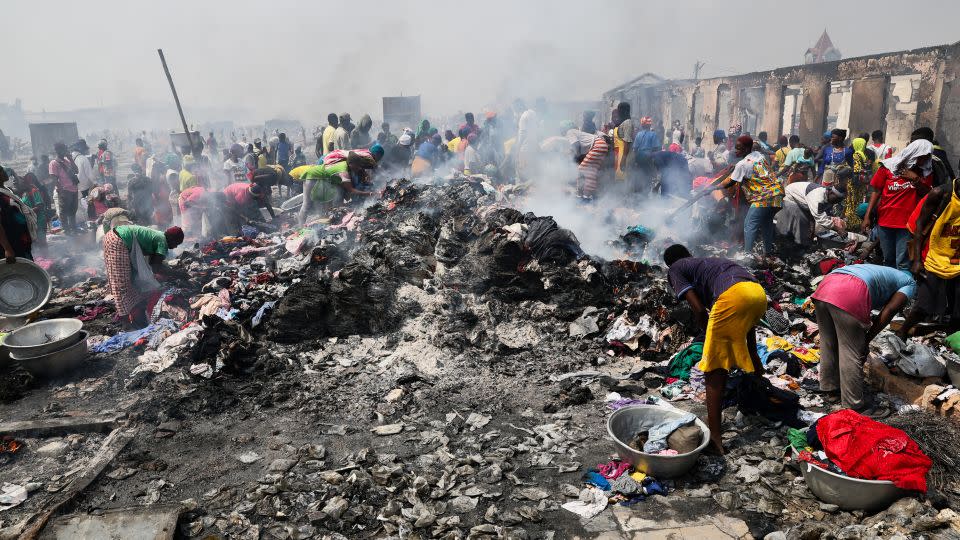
x,y
360,137
423,133
857,190
326,185
898,186
103,198
29,191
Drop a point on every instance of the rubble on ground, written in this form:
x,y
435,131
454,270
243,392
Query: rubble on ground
x,y
437,364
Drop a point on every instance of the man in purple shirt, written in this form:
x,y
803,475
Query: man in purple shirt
x,y
736,303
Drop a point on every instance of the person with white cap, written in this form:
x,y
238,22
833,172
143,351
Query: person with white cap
x,y
804,213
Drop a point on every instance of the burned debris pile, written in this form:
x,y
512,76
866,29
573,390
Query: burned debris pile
x,y
453,238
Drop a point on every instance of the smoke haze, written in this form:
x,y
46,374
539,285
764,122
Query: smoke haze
x,y
305,59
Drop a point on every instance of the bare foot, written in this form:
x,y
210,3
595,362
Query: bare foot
x,y
715,447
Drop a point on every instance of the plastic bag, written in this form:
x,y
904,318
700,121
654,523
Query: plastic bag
x,y
143,279
918,360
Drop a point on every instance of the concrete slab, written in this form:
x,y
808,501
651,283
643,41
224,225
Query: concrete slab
x,y
150,523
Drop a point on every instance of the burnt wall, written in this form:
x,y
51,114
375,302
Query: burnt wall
x,y
895,92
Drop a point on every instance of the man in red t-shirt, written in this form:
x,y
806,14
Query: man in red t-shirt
x,y
898,186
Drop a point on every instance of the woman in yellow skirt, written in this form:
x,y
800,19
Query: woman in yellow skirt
x,y
728,303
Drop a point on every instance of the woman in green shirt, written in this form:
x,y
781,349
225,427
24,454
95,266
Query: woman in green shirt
x,y
325,185
118,245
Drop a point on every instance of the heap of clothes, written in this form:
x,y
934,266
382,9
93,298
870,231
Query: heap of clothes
x,y
614,482
848,443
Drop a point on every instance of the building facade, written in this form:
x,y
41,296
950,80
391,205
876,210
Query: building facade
x,y
895,92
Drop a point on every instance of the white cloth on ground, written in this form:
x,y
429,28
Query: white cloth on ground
x,y
592,501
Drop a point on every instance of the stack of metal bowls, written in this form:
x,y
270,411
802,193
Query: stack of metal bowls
x,y
49,348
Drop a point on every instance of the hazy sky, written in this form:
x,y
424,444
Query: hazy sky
x,y
305,59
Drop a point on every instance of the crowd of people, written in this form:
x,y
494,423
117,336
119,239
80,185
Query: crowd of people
x,y
904,202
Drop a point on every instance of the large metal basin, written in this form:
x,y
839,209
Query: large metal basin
x,y
850,493
24,288
624,424
58,362
43,337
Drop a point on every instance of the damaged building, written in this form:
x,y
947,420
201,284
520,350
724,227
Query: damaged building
x,y
895,92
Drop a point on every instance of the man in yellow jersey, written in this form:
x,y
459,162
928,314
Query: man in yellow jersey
x,y
936,257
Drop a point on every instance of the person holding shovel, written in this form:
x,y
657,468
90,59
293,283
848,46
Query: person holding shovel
x,y
736,303
763,191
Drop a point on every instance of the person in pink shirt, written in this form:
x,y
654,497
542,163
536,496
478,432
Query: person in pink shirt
x,y
193,202
242,201
64,171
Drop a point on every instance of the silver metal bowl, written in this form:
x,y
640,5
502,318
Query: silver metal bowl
x,y
625,423
292,203
24,288
42,337
58,362
850,493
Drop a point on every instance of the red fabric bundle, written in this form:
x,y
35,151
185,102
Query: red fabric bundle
x,y
867,449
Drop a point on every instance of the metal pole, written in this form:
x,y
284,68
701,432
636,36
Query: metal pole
x,y
176,98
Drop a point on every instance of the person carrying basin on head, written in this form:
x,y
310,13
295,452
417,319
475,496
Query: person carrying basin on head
x,y
728,303
325,186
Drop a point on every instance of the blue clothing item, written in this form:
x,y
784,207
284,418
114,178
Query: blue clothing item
x,y
377,151
657,441
763,353
882,282
893,243
427,151
759,221
283,151
267,306
645,142
125,339
596,479
835,158
653,487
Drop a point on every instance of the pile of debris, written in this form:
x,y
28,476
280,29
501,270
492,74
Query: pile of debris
x,y
433,365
